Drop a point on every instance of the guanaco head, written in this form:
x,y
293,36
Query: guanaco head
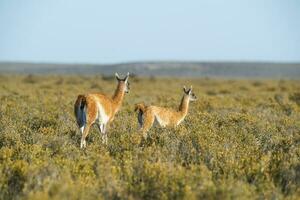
x,y
191,95
123,82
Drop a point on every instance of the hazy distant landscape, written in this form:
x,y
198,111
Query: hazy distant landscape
x,y
178,69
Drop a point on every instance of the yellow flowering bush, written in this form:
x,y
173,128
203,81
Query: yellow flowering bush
x,y
240,140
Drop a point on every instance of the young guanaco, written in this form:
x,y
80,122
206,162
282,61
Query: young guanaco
x,y
147,115
99,109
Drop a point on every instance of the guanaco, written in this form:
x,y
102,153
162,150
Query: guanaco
x,y
147,115
99,109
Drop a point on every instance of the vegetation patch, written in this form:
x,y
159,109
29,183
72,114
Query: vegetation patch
x,y
240,140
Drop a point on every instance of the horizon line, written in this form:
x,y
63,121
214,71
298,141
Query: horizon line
x,y
149,61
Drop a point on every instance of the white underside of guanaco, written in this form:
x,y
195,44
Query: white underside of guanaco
x,y
102,117
159,121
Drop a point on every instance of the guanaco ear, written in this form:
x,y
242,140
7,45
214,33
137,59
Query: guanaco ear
x,y
127,76
184,89
190,90
117,76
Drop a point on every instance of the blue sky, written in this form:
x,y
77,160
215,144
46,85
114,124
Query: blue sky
x,y
113,31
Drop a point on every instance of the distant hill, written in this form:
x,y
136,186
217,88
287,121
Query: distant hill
x,y
179,69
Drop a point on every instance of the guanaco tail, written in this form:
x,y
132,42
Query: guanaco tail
x,y
147,115
99,109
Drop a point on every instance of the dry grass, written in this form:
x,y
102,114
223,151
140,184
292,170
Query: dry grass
x,y
239,141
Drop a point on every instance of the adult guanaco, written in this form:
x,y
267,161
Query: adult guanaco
x,y
99,109
147,115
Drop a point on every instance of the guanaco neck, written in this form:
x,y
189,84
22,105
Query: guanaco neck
x,y
184,105
118,97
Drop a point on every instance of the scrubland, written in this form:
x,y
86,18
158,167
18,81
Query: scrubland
x,y
240,140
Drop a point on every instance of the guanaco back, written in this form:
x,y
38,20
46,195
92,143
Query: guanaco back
x,y
99,109
147,115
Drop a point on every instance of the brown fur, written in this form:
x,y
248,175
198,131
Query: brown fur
x,y
140,106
